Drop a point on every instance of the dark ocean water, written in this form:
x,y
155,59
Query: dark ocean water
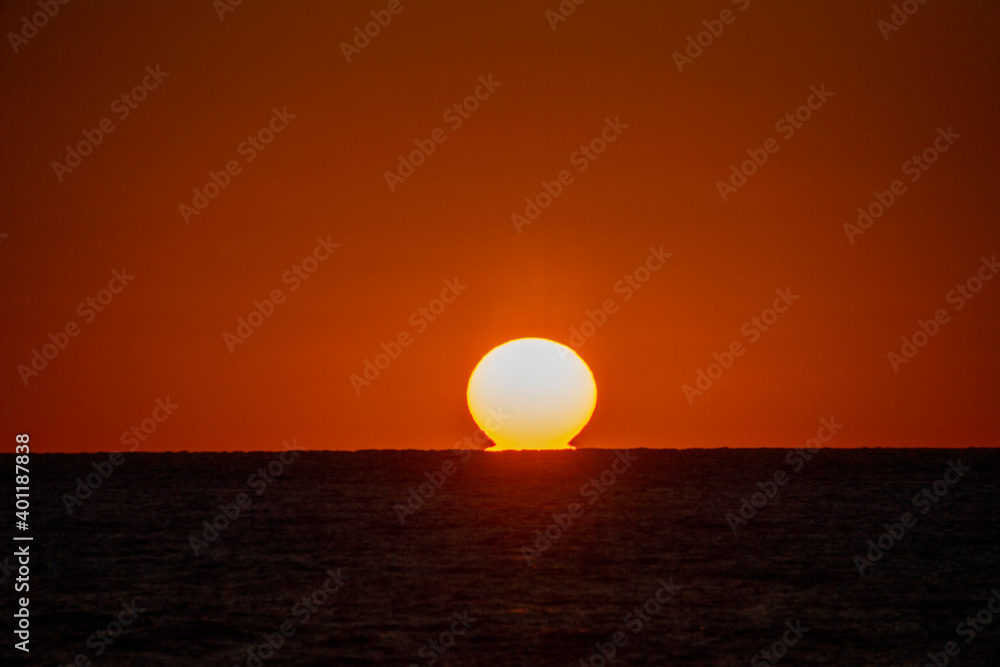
x,y
655,526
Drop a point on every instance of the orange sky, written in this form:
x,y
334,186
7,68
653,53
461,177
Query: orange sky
x,y
336,128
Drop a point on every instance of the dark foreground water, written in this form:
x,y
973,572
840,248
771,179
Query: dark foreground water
x,y
323,552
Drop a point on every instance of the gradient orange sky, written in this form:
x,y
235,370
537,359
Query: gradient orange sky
x,y
655,185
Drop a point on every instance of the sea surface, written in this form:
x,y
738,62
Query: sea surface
x,y
130,575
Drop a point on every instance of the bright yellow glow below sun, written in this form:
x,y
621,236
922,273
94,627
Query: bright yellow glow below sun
x,y
531,393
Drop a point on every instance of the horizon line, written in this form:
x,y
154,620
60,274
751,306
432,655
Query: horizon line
x,y
529,451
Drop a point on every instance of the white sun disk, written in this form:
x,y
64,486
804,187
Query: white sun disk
x,y
531,393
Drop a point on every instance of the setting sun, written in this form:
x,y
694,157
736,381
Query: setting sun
x,y
531,393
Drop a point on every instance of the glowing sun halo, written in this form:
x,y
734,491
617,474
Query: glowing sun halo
x,y
531,393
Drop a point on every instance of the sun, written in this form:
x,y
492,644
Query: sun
x,y
531,393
